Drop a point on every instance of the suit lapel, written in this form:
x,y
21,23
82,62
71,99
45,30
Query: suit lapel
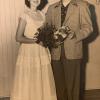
x,y
70,11
57,12
57,15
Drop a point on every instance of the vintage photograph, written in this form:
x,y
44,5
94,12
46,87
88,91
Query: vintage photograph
x,y
49,49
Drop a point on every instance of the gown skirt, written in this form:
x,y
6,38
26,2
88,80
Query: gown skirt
x,y
33,78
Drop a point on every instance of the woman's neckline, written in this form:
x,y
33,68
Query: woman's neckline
x,y
32,13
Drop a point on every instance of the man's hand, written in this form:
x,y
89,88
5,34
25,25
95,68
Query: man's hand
x,y
71,34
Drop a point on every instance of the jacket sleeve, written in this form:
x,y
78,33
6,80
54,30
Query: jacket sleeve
x,y
85,23
48,17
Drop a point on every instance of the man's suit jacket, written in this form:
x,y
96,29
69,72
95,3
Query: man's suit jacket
x,y
78,18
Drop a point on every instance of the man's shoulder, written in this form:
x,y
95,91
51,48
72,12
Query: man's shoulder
x,y
82,3
54,4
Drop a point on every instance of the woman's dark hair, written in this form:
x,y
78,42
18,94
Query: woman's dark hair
x,y
27,2
42,4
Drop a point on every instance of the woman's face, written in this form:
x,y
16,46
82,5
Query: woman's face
x,y
34,4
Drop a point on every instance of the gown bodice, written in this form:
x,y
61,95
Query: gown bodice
x,y
32,23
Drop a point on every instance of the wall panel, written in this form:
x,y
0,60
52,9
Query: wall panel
x,y
9,13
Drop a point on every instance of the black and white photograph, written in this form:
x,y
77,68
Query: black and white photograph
x,y
49,49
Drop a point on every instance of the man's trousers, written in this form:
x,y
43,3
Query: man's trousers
x,y
67,78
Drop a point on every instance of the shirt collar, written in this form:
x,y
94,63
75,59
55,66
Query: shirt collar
x,y
73,2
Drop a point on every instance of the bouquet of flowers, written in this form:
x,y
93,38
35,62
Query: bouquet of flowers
x,y
46,35
51,37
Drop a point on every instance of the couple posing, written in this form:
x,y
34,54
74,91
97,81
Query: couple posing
x,y
34,78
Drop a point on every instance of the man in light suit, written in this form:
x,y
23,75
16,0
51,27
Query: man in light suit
x,y
66,58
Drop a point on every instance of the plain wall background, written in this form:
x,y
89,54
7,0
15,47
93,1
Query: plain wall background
x,y
10,11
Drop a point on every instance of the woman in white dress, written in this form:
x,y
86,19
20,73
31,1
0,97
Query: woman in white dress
x,y
33,79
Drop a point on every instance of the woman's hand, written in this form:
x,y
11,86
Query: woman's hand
x,y
35,36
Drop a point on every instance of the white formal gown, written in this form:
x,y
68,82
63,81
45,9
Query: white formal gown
x,y
33,79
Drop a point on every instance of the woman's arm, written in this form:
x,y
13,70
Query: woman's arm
x,y
20,33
